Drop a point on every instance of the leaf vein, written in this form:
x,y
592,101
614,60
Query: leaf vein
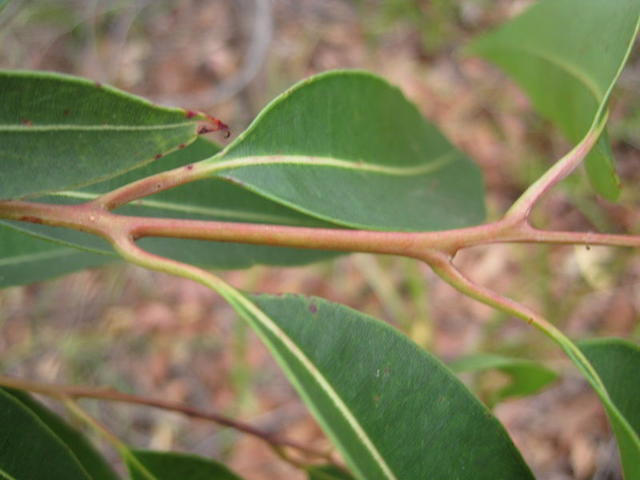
x,y
254,161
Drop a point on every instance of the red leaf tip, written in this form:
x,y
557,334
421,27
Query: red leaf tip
x,y
213,124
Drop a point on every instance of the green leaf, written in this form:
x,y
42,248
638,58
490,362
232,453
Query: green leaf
x,y
526,376
26,259
30,450
617,362
327,472
349,148
87,455
567,55
151,465
393,410
58,131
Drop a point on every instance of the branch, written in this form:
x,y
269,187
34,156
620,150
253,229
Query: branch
x,y
61,391
93,218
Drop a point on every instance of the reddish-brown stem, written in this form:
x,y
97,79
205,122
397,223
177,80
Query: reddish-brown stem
x,y
520,210
91,218
148,186
110,394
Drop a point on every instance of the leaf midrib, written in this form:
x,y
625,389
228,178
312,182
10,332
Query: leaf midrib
x,y
214,165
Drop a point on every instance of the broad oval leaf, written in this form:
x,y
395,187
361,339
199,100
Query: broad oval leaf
x,y
59,131
349,148
567,55
617,363
95,465
30,450
393,410
526,376
153,465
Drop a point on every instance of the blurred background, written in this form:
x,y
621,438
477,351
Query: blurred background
x,y
169,338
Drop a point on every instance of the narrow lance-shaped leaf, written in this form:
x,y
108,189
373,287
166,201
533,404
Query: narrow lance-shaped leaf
x,y
152,465
58,131
526,377
30,450
393,410
567,55
348,148
617,362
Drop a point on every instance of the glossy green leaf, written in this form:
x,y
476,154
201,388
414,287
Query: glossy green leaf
x,y
58,131
349,148
152,465
393,410
95,465
327,472
29,449
617,362
526,376
567,55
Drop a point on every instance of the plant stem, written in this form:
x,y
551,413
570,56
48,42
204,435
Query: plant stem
x,y
443,267
92,218
70,392
148,186
522,207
